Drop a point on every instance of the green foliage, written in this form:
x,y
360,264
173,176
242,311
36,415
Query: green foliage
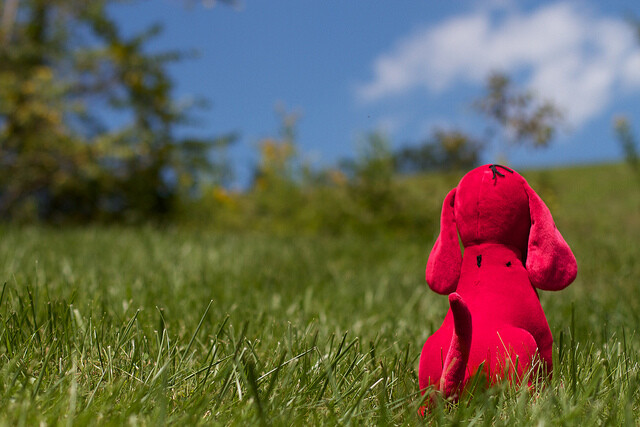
x,y
520,117
379,201
290,198
623,130
516,116
372,173
627,140
64,65
445,150
115,325
287,198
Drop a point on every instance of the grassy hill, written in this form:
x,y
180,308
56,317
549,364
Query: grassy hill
x,y
148,326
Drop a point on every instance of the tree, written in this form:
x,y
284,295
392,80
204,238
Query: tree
x,y
517,114
64,66
627,140
624,132
444,150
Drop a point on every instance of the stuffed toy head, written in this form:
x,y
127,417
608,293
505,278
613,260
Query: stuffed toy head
x,y
511,246
494,204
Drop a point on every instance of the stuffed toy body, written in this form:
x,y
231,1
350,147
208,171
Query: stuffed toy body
x,y
511,247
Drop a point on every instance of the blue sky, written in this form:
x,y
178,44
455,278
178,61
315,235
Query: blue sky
x,y
349,67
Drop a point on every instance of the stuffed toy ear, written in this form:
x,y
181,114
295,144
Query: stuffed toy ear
x,y
550,262
445,260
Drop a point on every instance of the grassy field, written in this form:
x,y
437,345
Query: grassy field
x,y
148,326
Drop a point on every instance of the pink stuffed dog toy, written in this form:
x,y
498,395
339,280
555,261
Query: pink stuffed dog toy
x,y
511,247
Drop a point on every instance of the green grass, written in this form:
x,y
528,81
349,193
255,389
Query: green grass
x,y
147,326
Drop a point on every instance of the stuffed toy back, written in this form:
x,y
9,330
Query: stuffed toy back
x,y
511,247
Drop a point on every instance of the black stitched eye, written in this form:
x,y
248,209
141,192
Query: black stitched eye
x,y
479,260
509,264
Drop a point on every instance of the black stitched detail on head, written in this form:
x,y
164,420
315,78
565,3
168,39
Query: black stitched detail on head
x,y
509,264
479,260
496,172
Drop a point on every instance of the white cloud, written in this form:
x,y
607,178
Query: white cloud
x,y
568,55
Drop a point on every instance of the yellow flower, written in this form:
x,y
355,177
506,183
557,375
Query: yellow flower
x,y
222,196
337,177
